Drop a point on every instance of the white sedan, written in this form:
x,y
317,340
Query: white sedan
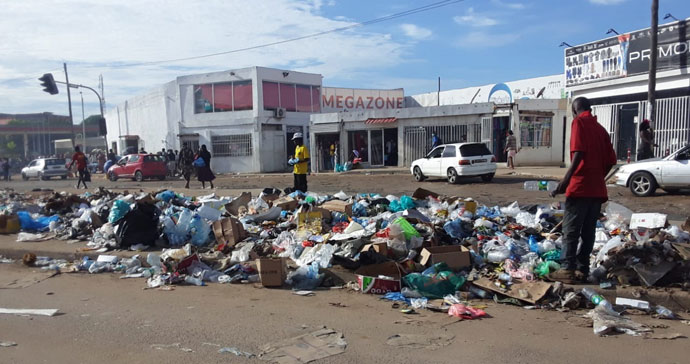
x,y
453,161
671,174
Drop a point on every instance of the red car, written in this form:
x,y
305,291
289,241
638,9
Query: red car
x,y
139,167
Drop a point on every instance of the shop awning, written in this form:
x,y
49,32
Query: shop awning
x,y
381,120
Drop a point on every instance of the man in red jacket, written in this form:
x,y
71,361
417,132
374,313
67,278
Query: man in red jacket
x,y
584,185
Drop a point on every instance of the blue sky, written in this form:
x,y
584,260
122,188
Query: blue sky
x,y
473,42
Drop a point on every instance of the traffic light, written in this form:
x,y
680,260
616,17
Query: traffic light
x,y
48,84
102,130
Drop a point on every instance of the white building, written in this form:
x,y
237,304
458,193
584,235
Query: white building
x,y
246,117
614,74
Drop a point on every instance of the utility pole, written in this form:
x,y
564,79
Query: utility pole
x,y
83,124
69,102
654,52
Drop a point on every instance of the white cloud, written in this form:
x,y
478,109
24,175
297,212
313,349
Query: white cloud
x,y
415,32
475,19
486,40
91,35
515,6
606,2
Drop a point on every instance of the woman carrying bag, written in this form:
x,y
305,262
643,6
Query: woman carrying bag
x,y
203,164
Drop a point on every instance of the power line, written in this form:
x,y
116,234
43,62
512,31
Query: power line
x,y
420,9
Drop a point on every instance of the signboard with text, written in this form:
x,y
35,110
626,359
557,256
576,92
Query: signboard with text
x,y
627,54
348,99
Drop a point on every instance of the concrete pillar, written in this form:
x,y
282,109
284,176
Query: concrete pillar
x,y
26,145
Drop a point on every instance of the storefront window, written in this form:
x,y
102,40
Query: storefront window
x,y
535,131
222,97
203,98
242,95
271,99
287,97
303,98
359,145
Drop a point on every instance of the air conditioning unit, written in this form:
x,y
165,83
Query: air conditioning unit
x,y
280,113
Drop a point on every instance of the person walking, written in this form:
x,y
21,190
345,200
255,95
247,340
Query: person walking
x,y
185,163
171,162
300,163
435,140
646,141
80,159
331,155
592,157
510,149
5,167
204,174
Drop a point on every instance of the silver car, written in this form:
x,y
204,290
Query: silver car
x,y
671,174
44,168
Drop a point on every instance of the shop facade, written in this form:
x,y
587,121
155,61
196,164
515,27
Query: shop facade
x,y
614,74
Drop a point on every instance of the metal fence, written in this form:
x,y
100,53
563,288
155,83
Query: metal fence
x,y
418,138
238,145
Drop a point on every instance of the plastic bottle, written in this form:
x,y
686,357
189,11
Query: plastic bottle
x,y
478,292
505,277
154,261
598,300
533,246
664,312
193,280
540,185
410,293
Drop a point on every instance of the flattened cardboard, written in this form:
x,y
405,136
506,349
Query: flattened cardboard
x,y
229,231
233,207
370,278
683,250
537,290
271,271
381,248
686,226
286,203
338,206
455,256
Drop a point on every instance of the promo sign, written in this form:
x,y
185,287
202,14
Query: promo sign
x,y
627,54
348,99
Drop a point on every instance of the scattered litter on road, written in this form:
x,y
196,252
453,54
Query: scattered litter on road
x,y
176,346
7,344
305,348
236,351
26,312
416,341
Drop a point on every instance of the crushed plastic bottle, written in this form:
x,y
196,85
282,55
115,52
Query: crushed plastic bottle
x,y
598,300
540,186
195,281
665,313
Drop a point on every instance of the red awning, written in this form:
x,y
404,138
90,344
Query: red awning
x,y
381,120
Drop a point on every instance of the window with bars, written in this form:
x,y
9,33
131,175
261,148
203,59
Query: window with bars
x,y
535,130
238,145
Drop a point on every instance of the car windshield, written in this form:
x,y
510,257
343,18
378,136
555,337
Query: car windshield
x,y
474,150
55,162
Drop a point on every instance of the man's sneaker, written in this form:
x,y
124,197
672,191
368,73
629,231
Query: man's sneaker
x,y
566,276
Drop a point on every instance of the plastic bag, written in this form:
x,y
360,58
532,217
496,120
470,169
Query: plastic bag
x,y
613,243
199,163
407,229
119,210
604,322
199,231
547,267
165,196
455,229
436,285
511,210
341,196
404,203
242,254
617,216
209,213
305,277
465,312
41,223
526,219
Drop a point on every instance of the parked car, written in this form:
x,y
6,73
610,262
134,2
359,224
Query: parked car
x,y
454,161
138,167
44,168
671,174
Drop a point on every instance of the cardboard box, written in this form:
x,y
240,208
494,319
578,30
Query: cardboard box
x,y
455,256
229,231
9,224
379,278
639,304
286,203
271,271
381,248
422,194
233,207
649,221
535,290
338,206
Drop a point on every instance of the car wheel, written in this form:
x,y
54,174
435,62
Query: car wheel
x,y
452,176
25,177
63,177
112,176
418,176
642,184
487,177
41,177
138,176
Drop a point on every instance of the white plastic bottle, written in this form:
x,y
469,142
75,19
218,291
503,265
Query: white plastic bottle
x,y
540,186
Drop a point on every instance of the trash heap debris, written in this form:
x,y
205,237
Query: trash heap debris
x,y
423,251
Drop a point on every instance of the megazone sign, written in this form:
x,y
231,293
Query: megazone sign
x,y
627,54
349,99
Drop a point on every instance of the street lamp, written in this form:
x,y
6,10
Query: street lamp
x,y
670,16
564,44
611,30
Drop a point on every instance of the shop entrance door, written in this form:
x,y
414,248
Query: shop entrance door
x,y
390,147
376,147
627,130
501,127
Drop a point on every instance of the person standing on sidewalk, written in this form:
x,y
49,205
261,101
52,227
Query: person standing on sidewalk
x,y
186,163
300,163
592,157
511,148
204,173
80,159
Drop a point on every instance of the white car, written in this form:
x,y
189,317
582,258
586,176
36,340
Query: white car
x,y
671,174
44,168
453,161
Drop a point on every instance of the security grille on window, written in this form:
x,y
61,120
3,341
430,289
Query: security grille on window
x,y
239,145
535,130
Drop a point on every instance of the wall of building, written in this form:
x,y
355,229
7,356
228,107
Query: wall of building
x,y
542,155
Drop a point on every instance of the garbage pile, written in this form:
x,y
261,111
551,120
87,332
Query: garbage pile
x,y
423,251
